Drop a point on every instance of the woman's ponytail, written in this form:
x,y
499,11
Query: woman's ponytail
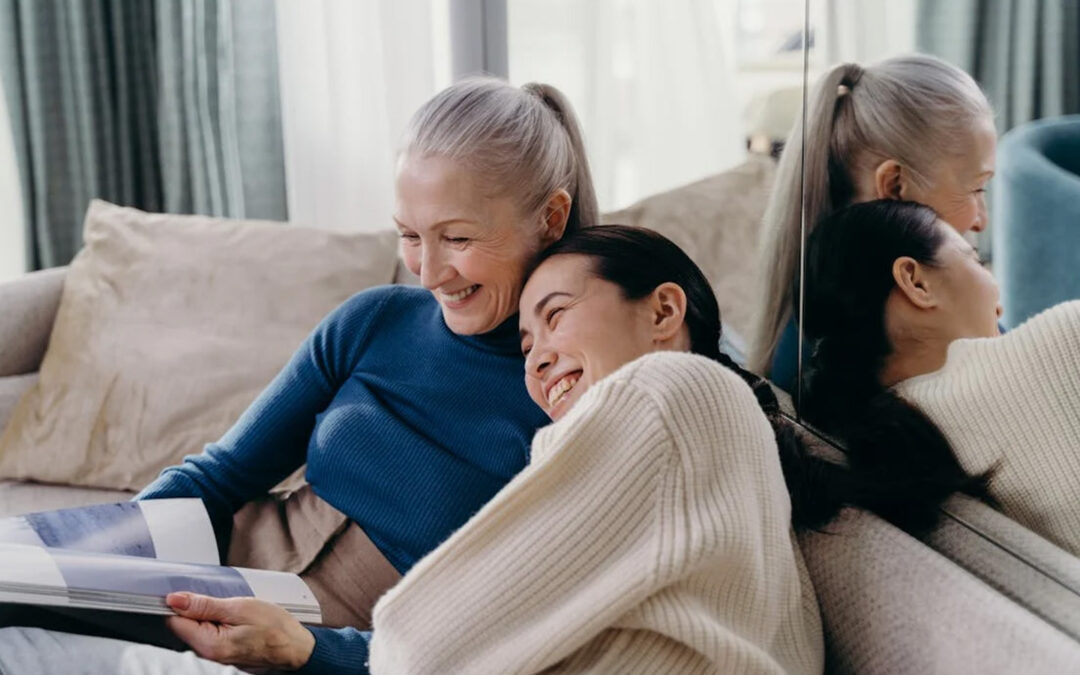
x,y
818,488
584,211
824,187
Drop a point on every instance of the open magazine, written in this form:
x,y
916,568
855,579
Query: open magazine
x,y
126,557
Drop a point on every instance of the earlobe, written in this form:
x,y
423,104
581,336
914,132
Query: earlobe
x,y
556,215
914,283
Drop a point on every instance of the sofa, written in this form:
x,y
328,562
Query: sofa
x,y
889,602
1036,217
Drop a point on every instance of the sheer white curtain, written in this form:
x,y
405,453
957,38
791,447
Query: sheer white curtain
x,y
351,75
12,235
653,83
866,31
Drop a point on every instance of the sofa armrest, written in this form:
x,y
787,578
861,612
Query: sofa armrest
x,y
27,309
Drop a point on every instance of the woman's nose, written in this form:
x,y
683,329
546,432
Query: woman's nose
x,y
538,361
434,271
981,219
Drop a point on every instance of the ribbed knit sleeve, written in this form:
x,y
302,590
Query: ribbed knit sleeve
x,y
338,650
270,439
649,534
1014,402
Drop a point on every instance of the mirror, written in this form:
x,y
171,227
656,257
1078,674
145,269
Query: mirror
x,y
1025,58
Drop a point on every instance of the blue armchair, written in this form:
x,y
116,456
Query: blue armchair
x,y
1036,207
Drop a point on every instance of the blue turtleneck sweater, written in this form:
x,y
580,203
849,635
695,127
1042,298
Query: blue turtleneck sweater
x,y
406,427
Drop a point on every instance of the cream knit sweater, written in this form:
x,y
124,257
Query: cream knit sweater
x,y
650,534
1016,399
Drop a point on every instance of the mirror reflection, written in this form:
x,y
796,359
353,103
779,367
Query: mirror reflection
x,y
941,328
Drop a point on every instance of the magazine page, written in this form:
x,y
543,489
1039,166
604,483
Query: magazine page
x,y
178,530
64,577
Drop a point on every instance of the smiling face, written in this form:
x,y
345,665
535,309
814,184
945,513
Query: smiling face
x,y
577,328
469,248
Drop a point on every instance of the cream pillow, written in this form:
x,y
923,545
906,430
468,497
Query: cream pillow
x,y
168,328
717,221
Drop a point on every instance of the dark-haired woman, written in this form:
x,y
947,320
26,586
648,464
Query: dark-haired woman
x,y
908,366
651,531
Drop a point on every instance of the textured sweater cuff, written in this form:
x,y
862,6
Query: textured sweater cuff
x,y
338,650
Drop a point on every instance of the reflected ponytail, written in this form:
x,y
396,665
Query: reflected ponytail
x,y
783,216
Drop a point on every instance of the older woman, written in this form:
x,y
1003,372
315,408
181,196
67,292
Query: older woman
x,y
909,368
913,128
406,404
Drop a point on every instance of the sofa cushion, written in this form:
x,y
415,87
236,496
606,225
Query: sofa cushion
x,y
889,604
168,328
717,221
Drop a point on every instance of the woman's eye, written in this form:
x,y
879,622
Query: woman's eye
x,y
458,240
410,236
553,314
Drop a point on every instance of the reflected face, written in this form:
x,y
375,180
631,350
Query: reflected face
x,y
970,300
469,249
958,190
576,329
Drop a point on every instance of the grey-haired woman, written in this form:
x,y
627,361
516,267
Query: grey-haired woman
x,y
406,404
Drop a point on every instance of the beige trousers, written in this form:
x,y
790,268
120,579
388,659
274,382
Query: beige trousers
x,y
300,533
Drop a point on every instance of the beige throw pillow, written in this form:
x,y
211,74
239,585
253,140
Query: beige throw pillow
x,y
168,328
717,221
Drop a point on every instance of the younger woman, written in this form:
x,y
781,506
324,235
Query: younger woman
x,y
908,366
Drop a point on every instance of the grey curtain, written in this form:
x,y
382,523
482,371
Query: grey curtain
x,y
167,105
1024,53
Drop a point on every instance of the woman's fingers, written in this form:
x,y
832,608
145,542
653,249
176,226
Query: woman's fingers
x,y
239,631
207,608
205,639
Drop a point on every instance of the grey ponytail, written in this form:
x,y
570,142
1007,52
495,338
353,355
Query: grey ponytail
x,y
526,142
913,109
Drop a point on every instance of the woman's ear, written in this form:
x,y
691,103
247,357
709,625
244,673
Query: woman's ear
x,y
667,305
890,180
555,215
914,282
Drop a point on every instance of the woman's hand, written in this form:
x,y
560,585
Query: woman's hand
x,y
240,631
